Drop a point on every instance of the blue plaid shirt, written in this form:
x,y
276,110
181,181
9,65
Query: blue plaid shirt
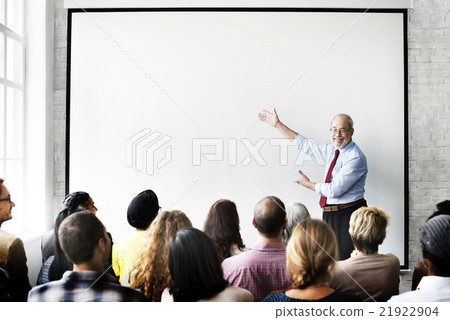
x,y
85,286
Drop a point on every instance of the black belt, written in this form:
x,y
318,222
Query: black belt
x,y
337,207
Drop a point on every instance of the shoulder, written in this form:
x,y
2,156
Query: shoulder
x,y
237,294
8,238
277,297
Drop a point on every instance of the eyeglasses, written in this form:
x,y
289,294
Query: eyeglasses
x,y
341,131
8,198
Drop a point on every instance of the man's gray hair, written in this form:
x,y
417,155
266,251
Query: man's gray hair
x,y
349,119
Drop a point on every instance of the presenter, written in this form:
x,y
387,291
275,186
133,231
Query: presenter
x,y
342,191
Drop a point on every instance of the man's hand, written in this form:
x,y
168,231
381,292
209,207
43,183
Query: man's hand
x,y
304,181
269,117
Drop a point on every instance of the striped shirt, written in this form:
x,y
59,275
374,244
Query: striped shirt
x,y
84,286
261,270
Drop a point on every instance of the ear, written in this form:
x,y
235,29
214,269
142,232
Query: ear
x,y
253,222
285,224
101,244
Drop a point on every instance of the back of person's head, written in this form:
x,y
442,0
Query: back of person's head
x,y
150,272
222,227
435,242
368,228
269,216
79,235
311,253
194,266
296,212
76,199
143,209
442,208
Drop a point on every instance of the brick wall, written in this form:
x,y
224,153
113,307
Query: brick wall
x,y
429,112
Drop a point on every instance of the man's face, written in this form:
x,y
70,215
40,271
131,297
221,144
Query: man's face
x,y
341,134
91,206
5,205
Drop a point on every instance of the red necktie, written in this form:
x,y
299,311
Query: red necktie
x,y
323,200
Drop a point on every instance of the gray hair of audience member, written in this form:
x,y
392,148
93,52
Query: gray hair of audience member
x,y
435,242
79,235
296,212
269,216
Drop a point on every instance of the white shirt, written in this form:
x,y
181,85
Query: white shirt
x,y
430,289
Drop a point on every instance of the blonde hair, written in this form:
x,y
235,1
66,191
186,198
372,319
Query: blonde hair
x,y
368,228
150,273
311,253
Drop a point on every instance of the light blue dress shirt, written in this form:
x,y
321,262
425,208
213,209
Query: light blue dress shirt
x,y
348,176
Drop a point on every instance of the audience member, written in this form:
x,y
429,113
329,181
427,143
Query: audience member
x,y
420,270
222,227
84,241
295,213
55,262
262,269
368,274
311,254
141,212
12,253
150,273
196,271
74,202
435,242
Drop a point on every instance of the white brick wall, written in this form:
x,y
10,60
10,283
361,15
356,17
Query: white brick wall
x,y
429,112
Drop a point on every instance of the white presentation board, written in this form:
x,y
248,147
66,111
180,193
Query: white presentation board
x,y
168,100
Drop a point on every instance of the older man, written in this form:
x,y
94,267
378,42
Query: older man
x,y
12,252
342,192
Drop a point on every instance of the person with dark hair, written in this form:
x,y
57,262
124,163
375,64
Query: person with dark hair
x,y
222,227
13,259
142,210
368,274
311,255
435,242
54,262
84,241
196,272
420,270
262,269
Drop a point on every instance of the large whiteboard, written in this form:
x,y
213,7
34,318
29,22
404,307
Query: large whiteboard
x,y
168,100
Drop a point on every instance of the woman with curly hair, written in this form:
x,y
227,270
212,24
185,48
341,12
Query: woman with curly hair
x,y
150,273
310,256
222,227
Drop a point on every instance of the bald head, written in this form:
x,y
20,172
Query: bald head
x,y
270,216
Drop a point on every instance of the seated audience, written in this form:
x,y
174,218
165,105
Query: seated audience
x,y
262,269
13,259
84,241
222,227
196,272
295,213
141,212
311,254
435,242
150,272
420,270
368,274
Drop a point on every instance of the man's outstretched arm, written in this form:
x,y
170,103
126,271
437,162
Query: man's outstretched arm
x,y
273,120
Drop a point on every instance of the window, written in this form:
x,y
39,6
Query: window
x,y
12,100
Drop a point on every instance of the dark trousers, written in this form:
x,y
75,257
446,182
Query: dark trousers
x,y
339,222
